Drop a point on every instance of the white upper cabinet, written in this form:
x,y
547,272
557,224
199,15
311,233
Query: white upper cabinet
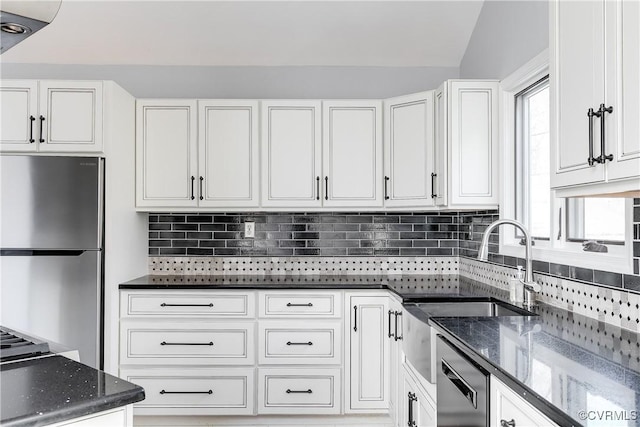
x,y
409,162
467,113
291,154
166,154
228,153
595,90
352,153
439,178
51,116
19,109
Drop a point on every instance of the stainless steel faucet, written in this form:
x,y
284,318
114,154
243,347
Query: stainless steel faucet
x,y
530,285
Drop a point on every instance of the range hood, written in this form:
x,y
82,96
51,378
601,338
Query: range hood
x,y
20,19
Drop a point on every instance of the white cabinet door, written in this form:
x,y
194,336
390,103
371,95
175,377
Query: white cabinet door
x,y
409,151
166,153
507,407
70,116
18,114
473,142
228,153
441,144
623,89
394,334
291,153
417,410
369,353
577,75
352,153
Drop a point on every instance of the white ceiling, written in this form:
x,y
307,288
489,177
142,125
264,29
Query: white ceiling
x,y
254,33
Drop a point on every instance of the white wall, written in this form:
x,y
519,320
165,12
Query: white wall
x,y
246,82
507,35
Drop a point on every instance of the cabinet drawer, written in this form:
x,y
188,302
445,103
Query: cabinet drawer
x,y
187,342
187,303
299,391
507,405
299,304
194,391
316,342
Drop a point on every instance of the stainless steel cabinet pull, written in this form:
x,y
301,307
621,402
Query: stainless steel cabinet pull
x,y
186,392
193,179
602,158
460,384
355,318
31,119
186,343
41,126
164,304
433,185
309,391
398,337
201,197
326,188
317,188
411,398
505,423
389,334
386,191
290,304
299,343
591,114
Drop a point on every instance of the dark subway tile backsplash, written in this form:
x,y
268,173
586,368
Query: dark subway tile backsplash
x,y
306,234
354,234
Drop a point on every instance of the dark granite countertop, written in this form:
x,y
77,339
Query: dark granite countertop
x,y
53,389
572,368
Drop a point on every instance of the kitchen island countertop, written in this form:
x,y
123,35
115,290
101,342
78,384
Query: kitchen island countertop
x,y
52,389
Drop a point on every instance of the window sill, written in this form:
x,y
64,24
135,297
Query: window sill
x,y
618,263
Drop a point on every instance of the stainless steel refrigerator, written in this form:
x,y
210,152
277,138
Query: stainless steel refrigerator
x,y
52,253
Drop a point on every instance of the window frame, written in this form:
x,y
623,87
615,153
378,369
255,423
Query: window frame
x,y
556,250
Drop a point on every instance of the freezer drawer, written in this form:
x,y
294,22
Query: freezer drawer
x,y
55,298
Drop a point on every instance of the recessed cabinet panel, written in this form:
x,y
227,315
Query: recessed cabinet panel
x,y
577,76
72,116
409,150
623,92
228,153
291,156
18,105
473,142
369,353
166,153
352,145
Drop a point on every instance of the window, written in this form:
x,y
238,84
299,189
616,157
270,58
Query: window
x,y
566,231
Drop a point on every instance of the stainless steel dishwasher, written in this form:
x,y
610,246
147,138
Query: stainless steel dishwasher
x,y
462,389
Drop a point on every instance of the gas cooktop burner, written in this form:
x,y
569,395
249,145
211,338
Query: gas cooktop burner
x,y
16,345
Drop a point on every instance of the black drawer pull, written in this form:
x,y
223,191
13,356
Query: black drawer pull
x,y
398,335
290,304
186,343
164,304
299,343
505,423
289,391
193,194
31,140
41,126
386,190
389,334
186,392
433,185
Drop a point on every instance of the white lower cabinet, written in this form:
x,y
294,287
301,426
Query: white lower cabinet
x,y
298,391
507,408
194,391
119,417
367,382
394,336
417,409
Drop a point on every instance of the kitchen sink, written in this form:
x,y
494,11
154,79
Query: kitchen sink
x,y
419,338
470,309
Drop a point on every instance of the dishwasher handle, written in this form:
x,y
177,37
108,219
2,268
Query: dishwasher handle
x,y
460,383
